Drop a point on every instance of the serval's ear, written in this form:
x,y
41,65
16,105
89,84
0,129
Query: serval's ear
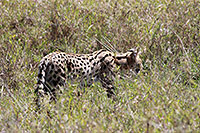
x,y
133,60
133,54
138,61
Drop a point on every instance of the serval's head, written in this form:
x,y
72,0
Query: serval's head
x,y
130,60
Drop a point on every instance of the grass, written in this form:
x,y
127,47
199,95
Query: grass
x,y
164,97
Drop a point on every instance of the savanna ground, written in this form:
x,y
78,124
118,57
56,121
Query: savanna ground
x,y
164,97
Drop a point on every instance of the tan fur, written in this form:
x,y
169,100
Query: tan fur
x,y
58,67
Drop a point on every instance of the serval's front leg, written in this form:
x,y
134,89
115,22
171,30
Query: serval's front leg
x,y
107,84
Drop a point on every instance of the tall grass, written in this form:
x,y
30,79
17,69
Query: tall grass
x,y
164,97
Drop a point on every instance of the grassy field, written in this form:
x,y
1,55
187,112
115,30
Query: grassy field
x,y
164,97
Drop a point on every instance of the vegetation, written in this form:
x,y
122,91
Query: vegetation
x,y
164,97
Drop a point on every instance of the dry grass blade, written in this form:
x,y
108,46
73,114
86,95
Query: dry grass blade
x,y
110,45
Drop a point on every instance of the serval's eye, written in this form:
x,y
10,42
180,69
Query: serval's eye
x,y
137,70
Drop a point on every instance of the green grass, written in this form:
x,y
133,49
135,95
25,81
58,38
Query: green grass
x,y
164,97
